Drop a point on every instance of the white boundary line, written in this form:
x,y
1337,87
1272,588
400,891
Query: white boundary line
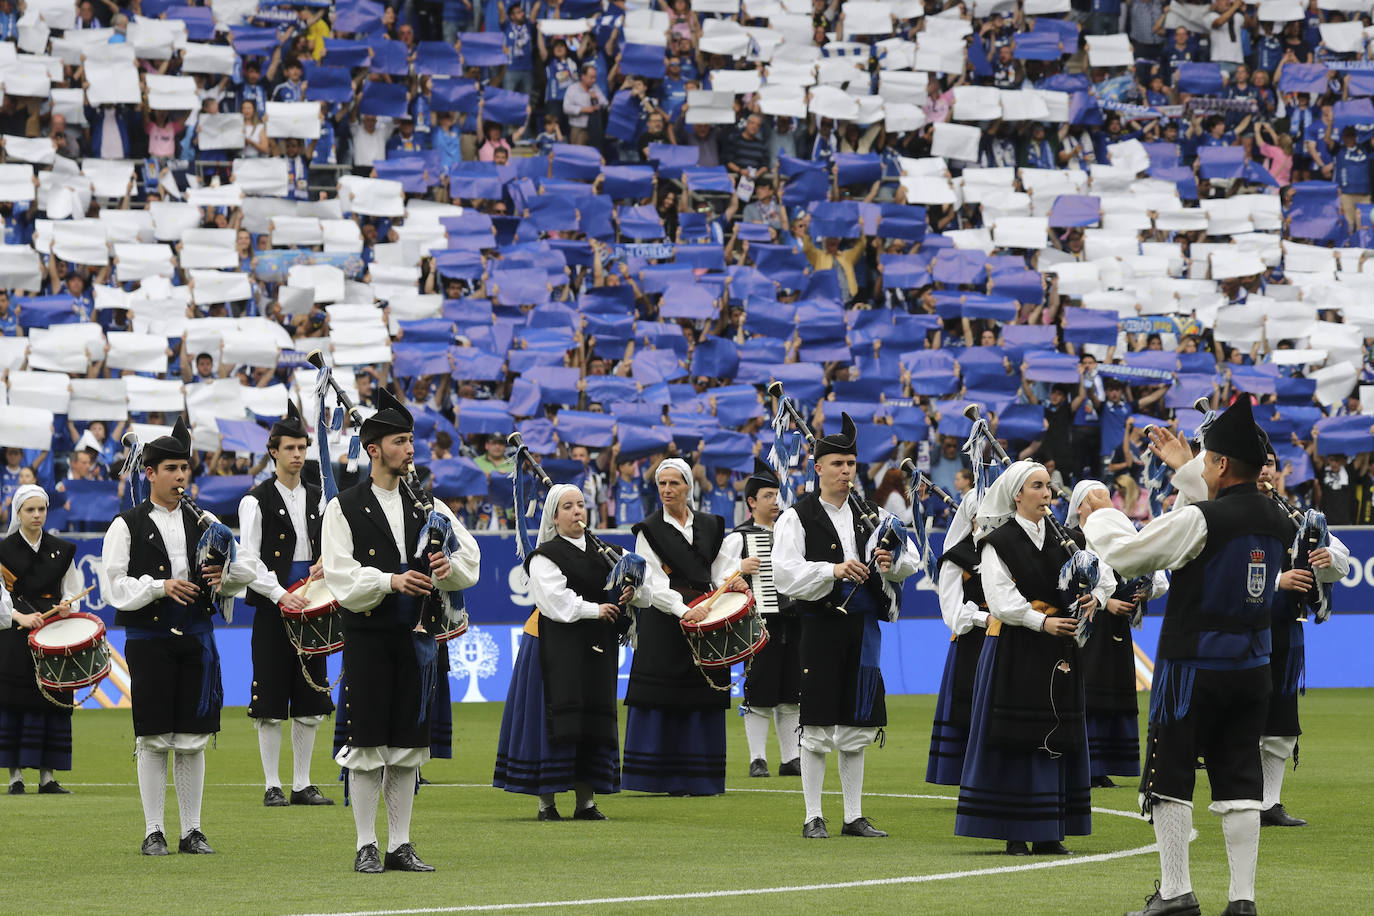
x,y
788,889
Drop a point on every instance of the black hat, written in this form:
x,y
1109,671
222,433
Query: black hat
x,y
762,479
291,424
176,446
845,442
1235,434
391,418
1267,444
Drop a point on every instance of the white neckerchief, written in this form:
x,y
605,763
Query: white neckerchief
x,y
296,507
390,501
173,530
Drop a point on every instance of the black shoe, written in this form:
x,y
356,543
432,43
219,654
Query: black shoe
x,y
1103,782
861,827
815,829
1239,908
53,787
310,795
1278,816
405,859
589,814
1050,848
17,788
758,768
1182,905
155,844
1017,848
195,844
790,767
550,814
423,781
275,798
367,861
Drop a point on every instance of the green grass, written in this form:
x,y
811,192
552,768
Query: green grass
x,y
80,853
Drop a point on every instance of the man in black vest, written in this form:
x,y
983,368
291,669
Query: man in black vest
x,y
1211,680
369,537
38,568
163,599
772,687
280,523
820,561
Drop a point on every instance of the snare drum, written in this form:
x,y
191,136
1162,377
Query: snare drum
x,y
316,629
70,652
732,631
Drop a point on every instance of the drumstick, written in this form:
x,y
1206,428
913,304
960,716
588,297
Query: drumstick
x,y
67,602
706,605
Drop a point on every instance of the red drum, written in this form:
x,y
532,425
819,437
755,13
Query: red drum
x,y
70,652
732,632
316,629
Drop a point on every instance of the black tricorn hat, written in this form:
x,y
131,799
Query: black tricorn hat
x,y
291,424
391,418
845,442
1236,435
174,446
762,479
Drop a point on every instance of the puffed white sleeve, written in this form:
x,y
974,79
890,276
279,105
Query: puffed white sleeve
x,y
1168,542
73,583
1159,584
465,563
6,609
122,591
662,594
357,587
1005,602
910,561
728,559
1340,562
960,615
1188,481
794,575
1106,584
549,589
250,550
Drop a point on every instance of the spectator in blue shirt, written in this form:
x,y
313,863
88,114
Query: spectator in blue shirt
x,y
1113,412
559,73
519,41
292,90
1352,176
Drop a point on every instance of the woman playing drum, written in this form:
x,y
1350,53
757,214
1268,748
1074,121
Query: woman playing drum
x,y
559,729
35,731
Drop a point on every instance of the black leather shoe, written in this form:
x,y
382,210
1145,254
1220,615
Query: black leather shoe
x,y
53,787
310,795
790,767
423,781
1239,908
861,827
367,861
1052,848
155,844
195,844
815,829
589,814
275,798
758,768
1103,782
405,859
550,814
1278,816
1182,905
1017,848
17,788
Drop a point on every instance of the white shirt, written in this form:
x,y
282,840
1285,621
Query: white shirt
x,y
1006,603
960,615
370,147
250,527
555,600
656,580
361,588
811,580
125,593
6,609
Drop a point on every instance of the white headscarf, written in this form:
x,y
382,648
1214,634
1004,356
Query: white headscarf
x,y
999,502
1083,488
962,523
22,495
548,530
683,468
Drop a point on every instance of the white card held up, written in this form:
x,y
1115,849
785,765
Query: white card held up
x,y
219,131
955,141
217,60
1110,51
293,119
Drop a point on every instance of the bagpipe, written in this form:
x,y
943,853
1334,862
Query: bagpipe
x,y
980,435
628,569
436,536
1081,570
216,547
921,523
1313,534
333,420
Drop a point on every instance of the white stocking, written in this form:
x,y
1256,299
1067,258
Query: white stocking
x,y
756,723
813,781
852,783
1173,827
45,777
16,775
152,788
302,746
398,784
786,720
365,791
1274,754
269,749
188,775
1242,832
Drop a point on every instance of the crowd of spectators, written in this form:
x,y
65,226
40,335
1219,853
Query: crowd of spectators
x,y
610,226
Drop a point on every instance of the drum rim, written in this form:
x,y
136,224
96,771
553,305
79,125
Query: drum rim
x,y
452,634
722,623
310,613
738,657
96,637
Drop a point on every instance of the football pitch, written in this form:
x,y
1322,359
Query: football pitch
x,y
738,853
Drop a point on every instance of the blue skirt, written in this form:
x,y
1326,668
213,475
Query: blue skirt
x,y
675,751
529,763
1114,745
948,742
1011,794
35,740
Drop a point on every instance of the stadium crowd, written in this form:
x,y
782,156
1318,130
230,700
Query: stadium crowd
x,y
610,226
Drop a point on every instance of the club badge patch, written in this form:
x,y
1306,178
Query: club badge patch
x,y
1257,574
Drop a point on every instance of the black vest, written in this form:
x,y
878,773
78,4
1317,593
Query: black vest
x,y
688,566
784,602
148,557
374,546
965,556
823,544
1220,604
38,574
585,570
278,543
